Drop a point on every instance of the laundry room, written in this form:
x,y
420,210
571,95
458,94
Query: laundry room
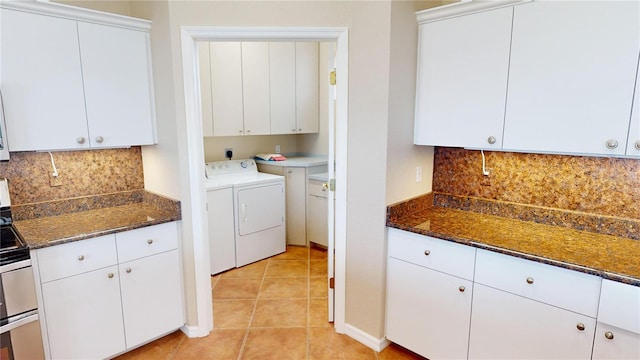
x,y
265,121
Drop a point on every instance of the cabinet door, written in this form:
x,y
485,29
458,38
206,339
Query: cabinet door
x,y
226,88
282,84
42,83
463,64
428,311
613,343
296,194
633,142
222,246
306,66
507,326
116,68
317,227
151,297
255,88
84,315
572,74
204,67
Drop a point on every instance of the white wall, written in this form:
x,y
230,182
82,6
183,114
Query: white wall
x,y
403,156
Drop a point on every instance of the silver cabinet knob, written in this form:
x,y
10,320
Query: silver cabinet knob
x,y
248,131
293,130
150,241
637,145
289,171
492,140
529,280
128,270
99,139
612,144
240,131
110,275
80,140
427,252
81,257
461,288
608,335
580,326
299,130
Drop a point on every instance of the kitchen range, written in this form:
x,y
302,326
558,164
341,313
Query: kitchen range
x,y
19,320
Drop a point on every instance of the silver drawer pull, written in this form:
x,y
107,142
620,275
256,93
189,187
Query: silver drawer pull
x,y
150,241
110,275
427,252
529,280
580,326
461,288
608,335
128,270
81,257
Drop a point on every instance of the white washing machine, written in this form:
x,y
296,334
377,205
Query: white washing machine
x,y
250,202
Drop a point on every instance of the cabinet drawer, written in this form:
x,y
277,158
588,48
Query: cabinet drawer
x,y
436,254
65,260
316,188
147,241
552,285
620,305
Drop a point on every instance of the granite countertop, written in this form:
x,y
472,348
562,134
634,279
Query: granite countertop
x,y
54,223
614,257
297,161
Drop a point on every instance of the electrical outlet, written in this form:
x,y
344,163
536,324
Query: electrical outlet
x,y
55,181
277,149
228,153
418,173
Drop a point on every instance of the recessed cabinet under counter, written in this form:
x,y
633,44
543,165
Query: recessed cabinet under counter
x,y
317,209
518,305
102,296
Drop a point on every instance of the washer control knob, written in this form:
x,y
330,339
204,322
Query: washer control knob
x,y
243,164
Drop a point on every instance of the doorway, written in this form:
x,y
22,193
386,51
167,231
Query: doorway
x,y
337,156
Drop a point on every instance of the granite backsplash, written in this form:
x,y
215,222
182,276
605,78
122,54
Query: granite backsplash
x,y
85,173
589,185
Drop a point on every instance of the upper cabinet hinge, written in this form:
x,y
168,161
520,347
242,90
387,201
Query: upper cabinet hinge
x,y
332,184
332,77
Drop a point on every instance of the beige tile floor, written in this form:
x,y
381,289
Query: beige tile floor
x,y
272,309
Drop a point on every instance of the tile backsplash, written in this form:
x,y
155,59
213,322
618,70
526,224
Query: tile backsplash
x,y
595,185
81,173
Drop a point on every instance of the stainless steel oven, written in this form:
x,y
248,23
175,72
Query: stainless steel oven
x,y
20,335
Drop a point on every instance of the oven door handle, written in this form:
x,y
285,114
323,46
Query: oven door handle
x,y
15,265
26,318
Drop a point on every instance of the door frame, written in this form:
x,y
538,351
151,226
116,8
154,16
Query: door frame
x,y
195,150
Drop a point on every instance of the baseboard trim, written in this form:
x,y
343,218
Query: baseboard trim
x,y
365,339
194,331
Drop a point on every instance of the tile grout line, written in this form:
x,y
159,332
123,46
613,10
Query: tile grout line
x,y
255,305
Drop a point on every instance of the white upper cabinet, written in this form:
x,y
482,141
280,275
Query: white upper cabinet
x,y
117,85
255,88
282,73
71,84
307,90
226,89
259,88
463,65
42,82
633,142
571,76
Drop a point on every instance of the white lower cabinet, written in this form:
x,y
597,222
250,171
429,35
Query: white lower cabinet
x,y
84,316
151,296
95,306
450,301
507,326
618,329
428,311
317,207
